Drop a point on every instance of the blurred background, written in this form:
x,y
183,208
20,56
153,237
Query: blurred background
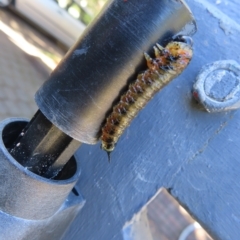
x,y
34,36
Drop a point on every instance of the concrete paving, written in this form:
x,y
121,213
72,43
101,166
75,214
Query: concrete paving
x,y
24,65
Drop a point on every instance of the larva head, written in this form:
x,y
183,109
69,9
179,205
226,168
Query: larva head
x,y
180,48
108,147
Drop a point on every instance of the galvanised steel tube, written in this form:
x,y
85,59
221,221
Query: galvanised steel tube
x,y
109,54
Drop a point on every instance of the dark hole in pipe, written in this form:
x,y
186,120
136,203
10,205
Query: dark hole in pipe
x,y
11,133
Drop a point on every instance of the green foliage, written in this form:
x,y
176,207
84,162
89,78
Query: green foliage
x,y
90,9
84,10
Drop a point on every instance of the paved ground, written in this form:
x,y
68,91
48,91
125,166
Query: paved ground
x,y
26,59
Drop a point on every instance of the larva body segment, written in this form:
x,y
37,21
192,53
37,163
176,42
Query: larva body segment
x,y
168,64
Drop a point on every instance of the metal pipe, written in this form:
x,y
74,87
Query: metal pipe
x,y
33,207
109,54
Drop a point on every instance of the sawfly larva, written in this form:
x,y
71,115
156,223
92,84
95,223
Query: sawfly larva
x,y
168,64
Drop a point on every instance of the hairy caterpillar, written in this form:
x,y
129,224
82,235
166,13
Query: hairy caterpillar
x,y
168,64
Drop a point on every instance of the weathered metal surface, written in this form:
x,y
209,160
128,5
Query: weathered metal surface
x,y
192,153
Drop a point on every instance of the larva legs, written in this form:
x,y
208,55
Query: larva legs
x,y
168,63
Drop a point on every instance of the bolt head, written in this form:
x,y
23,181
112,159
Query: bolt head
x,y
217,86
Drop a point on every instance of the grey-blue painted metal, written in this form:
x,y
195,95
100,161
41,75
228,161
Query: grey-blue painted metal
x,y
76,99
192,153
171,144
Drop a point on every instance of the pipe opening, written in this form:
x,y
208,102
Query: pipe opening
x,y
10,134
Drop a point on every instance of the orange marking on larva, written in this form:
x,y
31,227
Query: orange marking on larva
x,y
168,64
